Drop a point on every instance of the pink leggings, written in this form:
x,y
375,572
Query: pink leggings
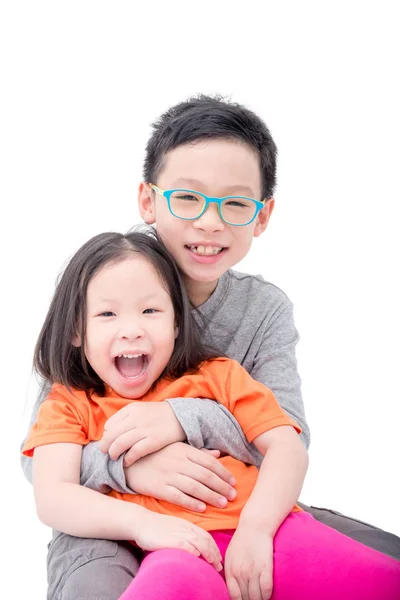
x,y
311,562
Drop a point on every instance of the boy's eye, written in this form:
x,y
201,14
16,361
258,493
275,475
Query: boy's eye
x,y
188,197
236,204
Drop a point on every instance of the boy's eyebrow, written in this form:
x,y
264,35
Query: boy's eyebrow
x,y
196,185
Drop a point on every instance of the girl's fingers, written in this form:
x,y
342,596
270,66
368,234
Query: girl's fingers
x,y
209,550
233,588
266,584
123,442
254,589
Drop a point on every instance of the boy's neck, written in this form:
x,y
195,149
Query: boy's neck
x,y
199,291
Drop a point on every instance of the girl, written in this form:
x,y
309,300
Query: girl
x,y
120,330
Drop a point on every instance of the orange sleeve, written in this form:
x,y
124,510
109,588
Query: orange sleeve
x,y
252,404
58,420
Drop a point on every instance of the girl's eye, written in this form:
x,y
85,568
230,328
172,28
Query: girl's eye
x,y
107,313
150,311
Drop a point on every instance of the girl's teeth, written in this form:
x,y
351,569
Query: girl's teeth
x,y
130,355
207,250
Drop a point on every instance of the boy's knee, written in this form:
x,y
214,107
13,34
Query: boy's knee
x,y
89,569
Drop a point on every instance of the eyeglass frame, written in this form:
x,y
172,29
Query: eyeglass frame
x,y
260,204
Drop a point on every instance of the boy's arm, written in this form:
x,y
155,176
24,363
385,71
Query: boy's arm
x,y
208,424
275,366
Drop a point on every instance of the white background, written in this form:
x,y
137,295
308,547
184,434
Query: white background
x,y
81,81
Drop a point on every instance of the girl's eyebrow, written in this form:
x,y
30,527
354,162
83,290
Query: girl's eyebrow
x,y
196,184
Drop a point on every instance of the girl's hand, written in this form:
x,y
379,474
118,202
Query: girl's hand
x,y
249,565
157,532
183,476
140,428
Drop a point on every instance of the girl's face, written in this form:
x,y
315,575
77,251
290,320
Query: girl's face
x,y
218,168
131,330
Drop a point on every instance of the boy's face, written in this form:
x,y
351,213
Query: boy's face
x,y
216,168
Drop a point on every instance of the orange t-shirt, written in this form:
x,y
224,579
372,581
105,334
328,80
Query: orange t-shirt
x,y
71,417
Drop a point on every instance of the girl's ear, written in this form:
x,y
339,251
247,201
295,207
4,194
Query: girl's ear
x,y
76,341
176,332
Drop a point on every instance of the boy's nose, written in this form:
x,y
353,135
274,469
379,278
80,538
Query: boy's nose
x,y
210,220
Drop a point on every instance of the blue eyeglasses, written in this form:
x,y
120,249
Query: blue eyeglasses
x,y
190,205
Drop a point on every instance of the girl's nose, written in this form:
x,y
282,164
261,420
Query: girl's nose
x,y
131,331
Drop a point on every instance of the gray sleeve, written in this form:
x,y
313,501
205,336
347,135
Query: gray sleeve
x,y
98,471
275,366
208,424
26,461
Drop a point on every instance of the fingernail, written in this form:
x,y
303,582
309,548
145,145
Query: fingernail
x,y
219,567
232,495
222,501
201,507
232,481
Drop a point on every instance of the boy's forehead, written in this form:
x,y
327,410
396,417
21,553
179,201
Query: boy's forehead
x,y
215,165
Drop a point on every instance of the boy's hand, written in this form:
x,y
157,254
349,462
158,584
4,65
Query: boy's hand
x,y
140,428
183,476
249,565
157,532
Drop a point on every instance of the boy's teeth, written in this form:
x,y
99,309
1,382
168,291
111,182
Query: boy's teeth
x,y
207,250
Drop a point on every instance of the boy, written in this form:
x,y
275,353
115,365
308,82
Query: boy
x,y
201,151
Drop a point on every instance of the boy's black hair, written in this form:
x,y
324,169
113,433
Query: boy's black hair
x,y
206,117
59,361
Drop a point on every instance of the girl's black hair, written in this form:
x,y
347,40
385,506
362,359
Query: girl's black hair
x,y
211,117
59,361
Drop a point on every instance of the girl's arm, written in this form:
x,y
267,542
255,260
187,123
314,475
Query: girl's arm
x,y
279,481
249,558
65,505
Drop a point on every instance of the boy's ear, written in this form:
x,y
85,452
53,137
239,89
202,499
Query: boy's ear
x,y
263,217
146,204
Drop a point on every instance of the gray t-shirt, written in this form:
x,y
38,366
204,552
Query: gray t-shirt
x,y
251,321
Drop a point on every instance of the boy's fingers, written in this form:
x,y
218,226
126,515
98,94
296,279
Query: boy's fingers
x,y
214,453
213,490
179,498
209,462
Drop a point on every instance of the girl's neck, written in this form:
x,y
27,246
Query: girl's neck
x,y
199,291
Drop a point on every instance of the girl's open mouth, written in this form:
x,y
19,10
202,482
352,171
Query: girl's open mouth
x,y
131,366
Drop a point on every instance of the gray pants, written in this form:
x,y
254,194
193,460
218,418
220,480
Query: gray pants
x,y
86,569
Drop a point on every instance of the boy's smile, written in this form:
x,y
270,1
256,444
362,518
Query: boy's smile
x,y
206,247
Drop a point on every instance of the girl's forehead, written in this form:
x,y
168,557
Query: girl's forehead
x,y
131,272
